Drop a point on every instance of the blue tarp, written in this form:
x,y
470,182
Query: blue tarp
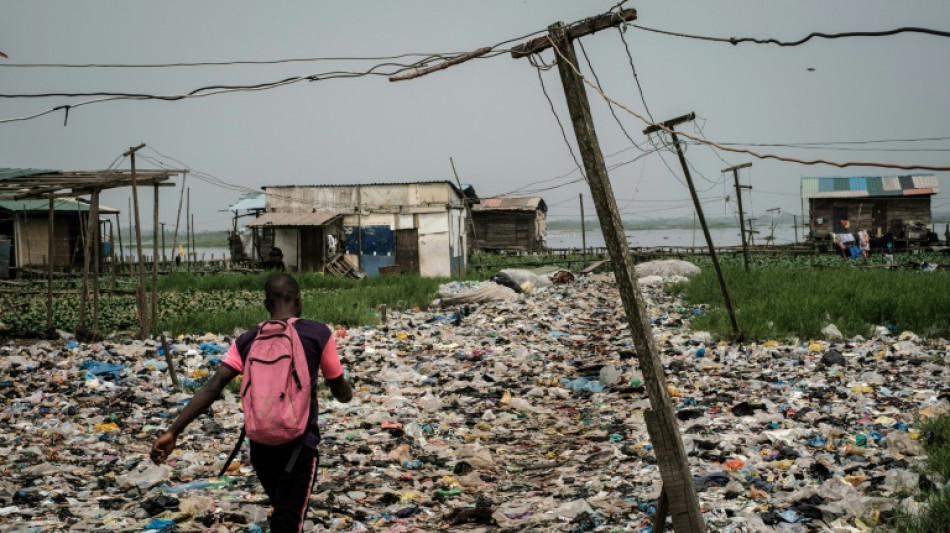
x,y
101,369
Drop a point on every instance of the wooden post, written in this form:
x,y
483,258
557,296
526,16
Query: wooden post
x,y
131,225
87,258
181,196
143,297
735,176
188,219
170,362
583,226
699,214
382,313
468,208
194,251
674,468
795,227
96,253
118,225
49,268
164,250
153,315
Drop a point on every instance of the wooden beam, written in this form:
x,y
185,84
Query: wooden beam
x,y
576,30
670,124
443,65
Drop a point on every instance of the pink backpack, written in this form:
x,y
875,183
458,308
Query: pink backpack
x,y
276,390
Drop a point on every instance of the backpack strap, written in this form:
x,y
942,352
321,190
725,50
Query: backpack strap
x,y
233,452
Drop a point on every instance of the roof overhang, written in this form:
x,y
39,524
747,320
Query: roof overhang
x,y
294,220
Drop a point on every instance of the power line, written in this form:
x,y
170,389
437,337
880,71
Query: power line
x,y
610,106
751,152
810,36
222,89
559,123
426,56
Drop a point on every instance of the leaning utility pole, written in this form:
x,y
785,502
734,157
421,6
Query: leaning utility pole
x,y
668,126
678,491
735,175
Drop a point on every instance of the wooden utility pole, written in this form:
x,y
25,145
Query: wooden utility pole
x,y
468,207
153,316
583,226
668,126
795,227
735,175
144,326
96,254
164,250
181,196
49,268
678,489
188,220
118,225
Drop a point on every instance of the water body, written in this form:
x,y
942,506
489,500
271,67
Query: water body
x,y
670,237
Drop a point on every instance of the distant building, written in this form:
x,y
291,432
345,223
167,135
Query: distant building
x,y
895,205
510,224
24,233
406,227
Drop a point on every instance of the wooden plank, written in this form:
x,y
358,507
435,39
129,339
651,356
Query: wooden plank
x,y
593,266
576,30
443,65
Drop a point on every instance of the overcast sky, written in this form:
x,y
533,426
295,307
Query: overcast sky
x,y
490,115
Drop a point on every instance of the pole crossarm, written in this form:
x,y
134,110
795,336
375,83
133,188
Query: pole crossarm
x,y
670,124
576,30
737,167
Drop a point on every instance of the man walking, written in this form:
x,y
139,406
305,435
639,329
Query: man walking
x,y
287,471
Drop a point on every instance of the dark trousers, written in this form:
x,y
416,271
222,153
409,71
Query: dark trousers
x,y
289,492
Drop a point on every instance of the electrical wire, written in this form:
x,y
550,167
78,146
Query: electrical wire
x,y
560,125
215,90
844,149
744,151
424,55
610,106
810,36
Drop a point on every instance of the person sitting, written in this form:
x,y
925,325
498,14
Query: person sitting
x,y
275,259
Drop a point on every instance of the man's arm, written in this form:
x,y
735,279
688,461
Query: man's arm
x,y
341,389
200,402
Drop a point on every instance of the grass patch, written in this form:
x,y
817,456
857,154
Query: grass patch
x,y
935,515
222,302
774,302
238,300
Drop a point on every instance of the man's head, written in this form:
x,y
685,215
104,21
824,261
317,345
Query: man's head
x,y
282,296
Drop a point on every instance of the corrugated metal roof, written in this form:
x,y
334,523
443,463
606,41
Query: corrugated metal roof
x,y
526,203
65,205
11,173
374,184
285,220
862,186
250,202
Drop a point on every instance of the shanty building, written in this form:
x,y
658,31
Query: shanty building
x,y
24,234
391,227
895,205
510,224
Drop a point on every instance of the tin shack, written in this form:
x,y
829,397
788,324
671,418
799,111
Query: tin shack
x,y
390,227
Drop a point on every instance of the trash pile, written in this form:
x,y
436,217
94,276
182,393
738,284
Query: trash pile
x,y
518,414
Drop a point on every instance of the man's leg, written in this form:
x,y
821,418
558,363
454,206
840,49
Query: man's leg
x,y
289,493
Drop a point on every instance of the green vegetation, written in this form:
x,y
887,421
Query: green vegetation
x,y
776,302
221,302
935,515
